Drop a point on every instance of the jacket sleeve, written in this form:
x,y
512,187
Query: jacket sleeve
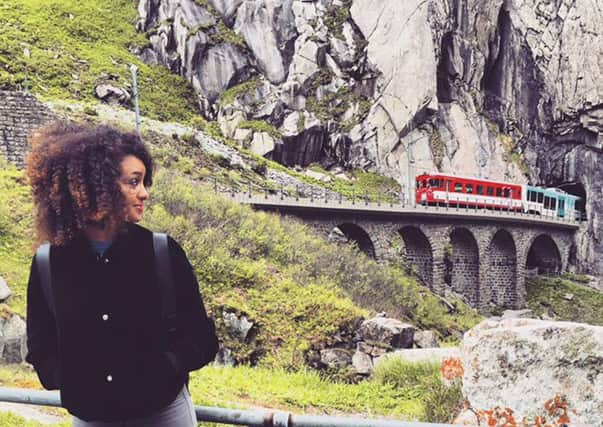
x,y
194,344
42,338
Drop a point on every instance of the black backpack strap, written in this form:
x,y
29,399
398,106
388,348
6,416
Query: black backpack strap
x,y
43,266
163,269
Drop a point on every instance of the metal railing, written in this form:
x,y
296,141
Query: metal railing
x,y
252,418
279,198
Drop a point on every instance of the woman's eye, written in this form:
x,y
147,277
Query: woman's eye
x,y
134,182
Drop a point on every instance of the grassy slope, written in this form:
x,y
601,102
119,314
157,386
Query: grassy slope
x,y
549,295
63,47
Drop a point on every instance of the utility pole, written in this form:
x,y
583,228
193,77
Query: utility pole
x,y
133,70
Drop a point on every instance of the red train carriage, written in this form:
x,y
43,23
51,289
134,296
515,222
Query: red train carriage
x,y
450,190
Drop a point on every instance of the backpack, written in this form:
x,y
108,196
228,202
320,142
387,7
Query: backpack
x,y
163,270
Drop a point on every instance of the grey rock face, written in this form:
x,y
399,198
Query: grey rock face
x,y
268,28
112,94
183,35
389,331
508,90
336,357
227,8
5,291
221,67
15,340
362,362
426,339
240,327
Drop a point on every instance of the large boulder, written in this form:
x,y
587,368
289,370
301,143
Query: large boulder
x,y
336,357
14,339
388,331
535,368
5,291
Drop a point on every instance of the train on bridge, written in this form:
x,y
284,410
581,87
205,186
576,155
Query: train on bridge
x,y
451,190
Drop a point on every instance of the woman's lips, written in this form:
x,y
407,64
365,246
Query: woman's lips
x,y
139,208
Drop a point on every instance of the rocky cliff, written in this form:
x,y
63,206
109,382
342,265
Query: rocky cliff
x,y
501,89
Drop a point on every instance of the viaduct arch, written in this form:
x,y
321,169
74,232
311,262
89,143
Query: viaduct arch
x,y
483,261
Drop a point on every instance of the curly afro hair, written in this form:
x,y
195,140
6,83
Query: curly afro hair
x,y
73,170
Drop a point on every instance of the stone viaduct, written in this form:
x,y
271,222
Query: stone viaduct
x,y
482,255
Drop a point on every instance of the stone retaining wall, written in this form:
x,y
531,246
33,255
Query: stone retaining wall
x,y
20,113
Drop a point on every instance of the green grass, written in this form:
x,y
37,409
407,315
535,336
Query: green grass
x,y
546,295
16,233
74,44
404,397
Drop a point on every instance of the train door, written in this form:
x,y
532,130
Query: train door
x,y
561,207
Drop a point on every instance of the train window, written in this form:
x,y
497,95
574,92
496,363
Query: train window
x,y
480,189
561,204
434,183
547,202
532,196
507,192
458,187
490,191
469,188
448,185
540,197
553,203
499,192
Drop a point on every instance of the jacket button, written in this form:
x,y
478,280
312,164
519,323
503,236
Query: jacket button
x,y
105,317
106,260
109,378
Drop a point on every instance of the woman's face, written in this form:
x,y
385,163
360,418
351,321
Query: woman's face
x,y
131,183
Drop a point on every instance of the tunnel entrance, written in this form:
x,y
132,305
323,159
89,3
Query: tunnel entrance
x,y
464,265
544,256
348,232
577,189
502,270
418,254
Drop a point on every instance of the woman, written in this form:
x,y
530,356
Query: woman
x,y
107,349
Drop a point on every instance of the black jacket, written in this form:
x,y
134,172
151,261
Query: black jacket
x,y
111,355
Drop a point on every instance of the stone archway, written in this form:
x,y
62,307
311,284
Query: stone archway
x,y
544,256
501,282
463,254
351,232
418,253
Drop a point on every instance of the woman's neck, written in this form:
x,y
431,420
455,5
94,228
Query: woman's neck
x,y
100,234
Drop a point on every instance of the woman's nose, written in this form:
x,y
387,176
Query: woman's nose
x,y
143,194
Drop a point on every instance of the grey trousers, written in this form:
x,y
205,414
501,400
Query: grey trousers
x,y
179,413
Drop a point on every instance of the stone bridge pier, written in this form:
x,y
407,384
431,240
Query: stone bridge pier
x,y
483,261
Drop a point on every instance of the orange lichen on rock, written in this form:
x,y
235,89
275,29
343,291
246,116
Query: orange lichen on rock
x,y
497,417
451,368
556,415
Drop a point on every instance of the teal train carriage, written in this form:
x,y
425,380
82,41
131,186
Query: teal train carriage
x,y
550,202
